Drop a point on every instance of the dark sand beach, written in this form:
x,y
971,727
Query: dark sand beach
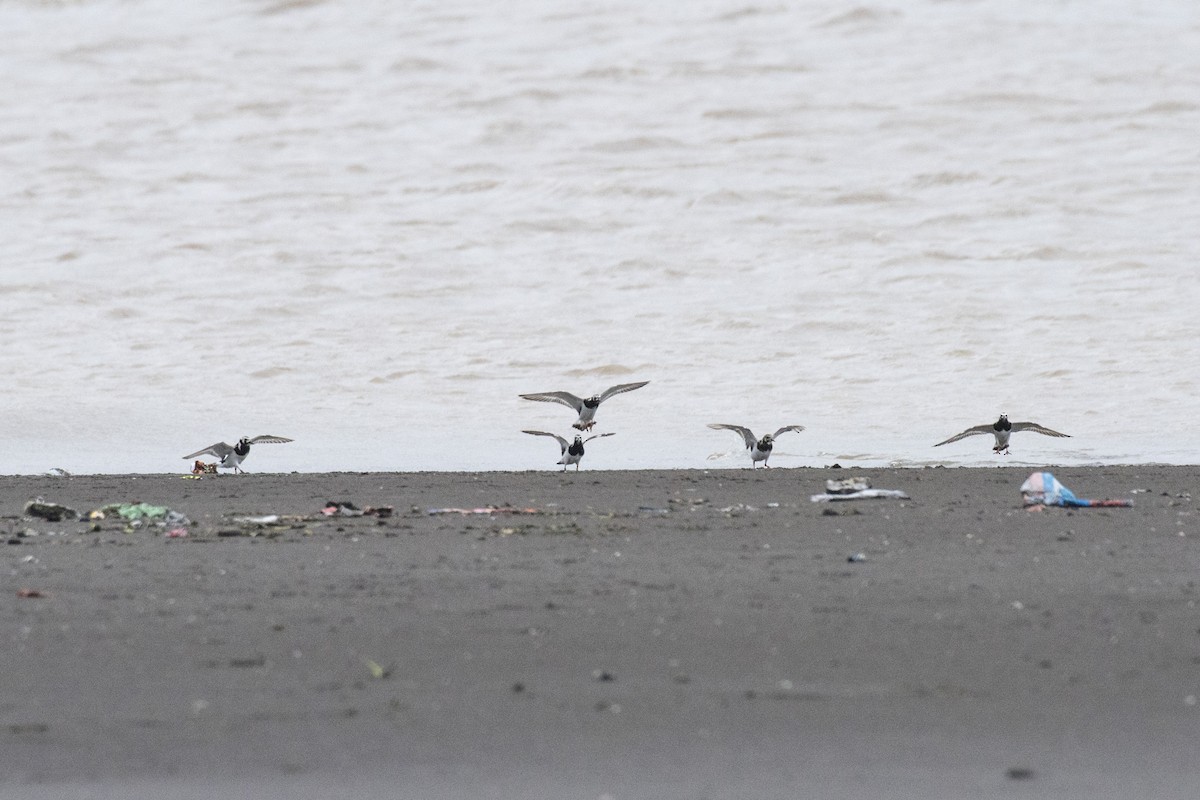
x,y
682,634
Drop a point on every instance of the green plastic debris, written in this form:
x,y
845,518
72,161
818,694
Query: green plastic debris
x,y
141,511
138,513
132,511
378,671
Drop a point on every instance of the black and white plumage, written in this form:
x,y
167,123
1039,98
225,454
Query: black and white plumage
x,y
1002,429
232,456
572,452
585,408
760,449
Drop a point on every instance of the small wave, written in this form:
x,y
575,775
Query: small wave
x,y
751,11
477,168
862,15
114,44
1047,253
271,372
471,187
1010,99
612,73
721,197
316,289
943,220
737,114
417,65
645,192
1117,267
736,325
290,5
502,100
945,178
264,108
560,225
919,258
393,376
942,255
626,265
1168,107
637,144
604,371
774,68
194,177
865,198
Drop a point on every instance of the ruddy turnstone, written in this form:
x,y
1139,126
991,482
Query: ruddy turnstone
x,y
585,408
572,452
232,456
1002,429
760,450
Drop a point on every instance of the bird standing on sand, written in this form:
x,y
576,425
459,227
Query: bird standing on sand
x,y
1002,429
760,450
585,408
572,452
233,456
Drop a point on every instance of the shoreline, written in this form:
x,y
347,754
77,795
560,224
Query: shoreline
x,y
554,469
645,633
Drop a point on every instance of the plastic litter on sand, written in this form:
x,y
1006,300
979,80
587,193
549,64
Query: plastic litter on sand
x,y
1043,489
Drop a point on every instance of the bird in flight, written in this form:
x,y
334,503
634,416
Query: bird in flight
x,y
1002,429
585,408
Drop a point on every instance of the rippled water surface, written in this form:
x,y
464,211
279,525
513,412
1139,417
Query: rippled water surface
x,y
369,226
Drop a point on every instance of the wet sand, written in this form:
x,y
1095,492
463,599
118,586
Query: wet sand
x,y
681,634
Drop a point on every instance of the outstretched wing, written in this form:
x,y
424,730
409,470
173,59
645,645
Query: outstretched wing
x,y
269,439
561,441
978,429
218,450
786,428
1033,426
624,387
566,398
745,433
597,436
